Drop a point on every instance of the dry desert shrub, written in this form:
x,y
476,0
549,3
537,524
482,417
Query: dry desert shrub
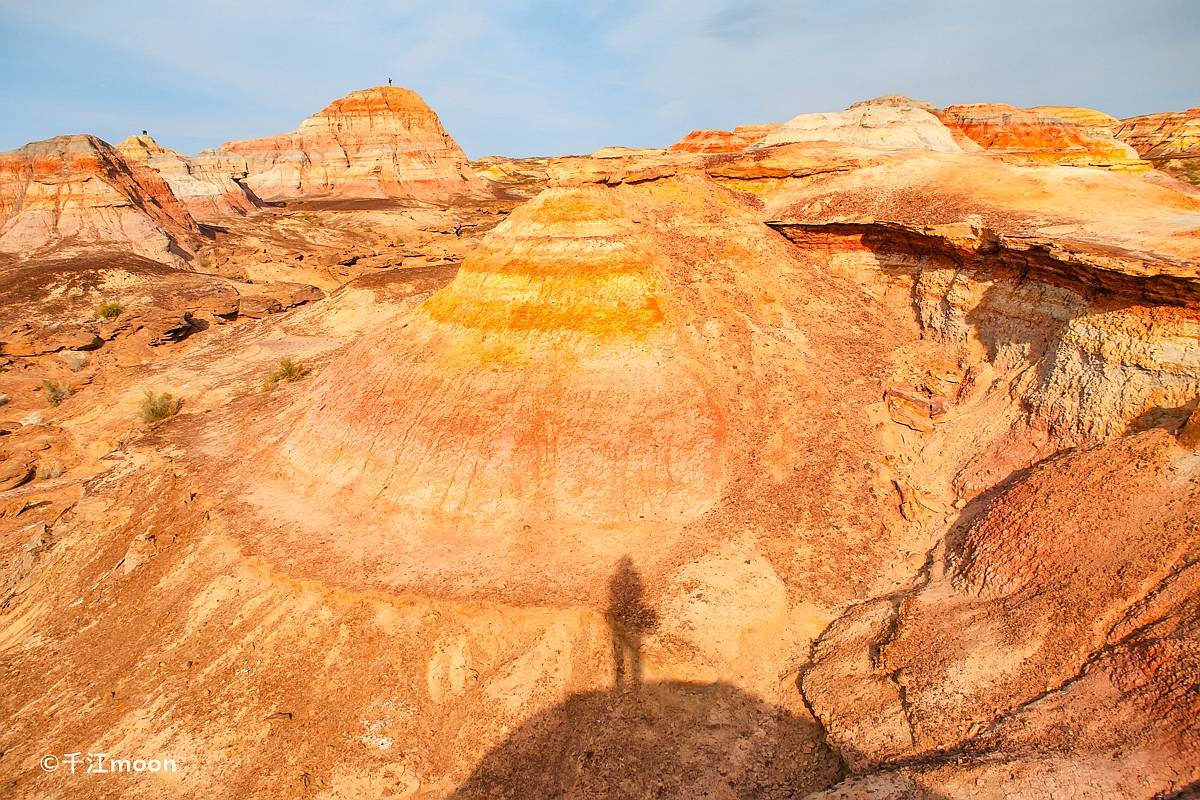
x,y
156,407
287,371
55,393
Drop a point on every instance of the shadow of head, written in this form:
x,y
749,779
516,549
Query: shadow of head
x,y
670,739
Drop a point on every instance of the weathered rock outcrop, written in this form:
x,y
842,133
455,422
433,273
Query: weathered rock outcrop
x,y
1169,141
207,185
1066,620
1087,117
77,191
1025,136
383,142
714,141
689,448
1094,276
891,123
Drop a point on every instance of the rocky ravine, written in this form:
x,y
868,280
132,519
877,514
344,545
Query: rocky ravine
x,y
835,468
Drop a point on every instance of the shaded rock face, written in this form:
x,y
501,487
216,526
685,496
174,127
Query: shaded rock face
x,y
892,123
77,191
733,141
1027,136
1170,141
207,185
382,142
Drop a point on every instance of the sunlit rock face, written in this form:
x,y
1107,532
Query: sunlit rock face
x,y
867,469
1170,141
715,141
206,185
1027,136
891,123
78,191
383,142
1086,117
555,323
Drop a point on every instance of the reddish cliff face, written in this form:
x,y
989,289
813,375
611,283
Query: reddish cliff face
x,y
78,191
1170,141
382,142
206,185
1029,137
736,140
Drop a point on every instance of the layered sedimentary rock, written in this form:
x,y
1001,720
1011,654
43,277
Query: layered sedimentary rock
x,y
716,141
383,142
207,185
1169,141
1093,275
78,191
892,123
1026,136
1087,117
689,445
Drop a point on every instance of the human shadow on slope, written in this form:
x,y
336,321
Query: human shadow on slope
x,y
629,620
655,739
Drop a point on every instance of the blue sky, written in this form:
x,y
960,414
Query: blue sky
x,y
527,78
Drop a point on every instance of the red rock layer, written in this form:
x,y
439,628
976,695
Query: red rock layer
x,y
79,191
1028,137
374,143
1170,141
715,141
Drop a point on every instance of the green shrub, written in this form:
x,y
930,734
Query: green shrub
x,y
158,406
109,310
55,393
287,372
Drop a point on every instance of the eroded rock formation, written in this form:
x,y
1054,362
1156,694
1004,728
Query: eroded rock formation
x,y
1029,137
1087,117
207,185
383,142
892,122
77,191
712,141
865,470
1170,141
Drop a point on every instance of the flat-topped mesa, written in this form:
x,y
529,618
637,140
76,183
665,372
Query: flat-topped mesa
x,y
888,123
717,141
206,184
1170,141
1026,136
78,191
383,142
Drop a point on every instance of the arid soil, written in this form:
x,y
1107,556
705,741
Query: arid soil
x,y
846,458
